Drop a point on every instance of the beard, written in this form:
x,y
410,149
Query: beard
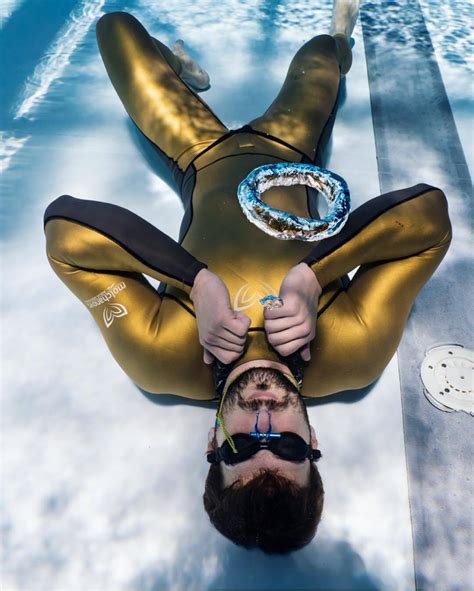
x,y
264,378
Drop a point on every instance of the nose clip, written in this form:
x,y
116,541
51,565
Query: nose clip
x,y
256,433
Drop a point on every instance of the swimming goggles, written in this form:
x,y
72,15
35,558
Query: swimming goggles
x,y
287,445
242,446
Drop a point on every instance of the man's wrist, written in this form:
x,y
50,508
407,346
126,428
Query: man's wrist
x,y
199,280
311,275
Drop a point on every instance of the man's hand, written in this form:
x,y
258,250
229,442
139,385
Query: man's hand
x,y
222,332
294,324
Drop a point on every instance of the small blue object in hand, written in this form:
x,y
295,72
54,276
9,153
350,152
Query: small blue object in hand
x,y
271,301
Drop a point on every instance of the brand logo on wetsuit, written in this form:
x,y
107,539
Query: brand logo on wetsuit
x,y
106,295
247,295
111,311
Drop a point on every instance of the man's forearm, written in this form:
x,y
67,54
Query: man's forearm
x,y
127,242
394,225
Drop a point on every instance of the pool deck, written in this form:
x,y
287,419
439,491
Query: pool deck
x,y
439,445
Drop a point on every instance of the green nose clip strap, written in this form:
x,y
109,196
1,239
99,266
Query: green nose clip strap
x,y
228,436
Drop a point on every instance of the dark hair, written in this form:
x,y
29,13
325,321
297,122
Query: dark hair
x,y
269,512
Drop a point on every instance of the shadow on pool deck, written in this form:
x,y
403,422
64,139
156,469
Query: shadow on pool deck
x,y
333,564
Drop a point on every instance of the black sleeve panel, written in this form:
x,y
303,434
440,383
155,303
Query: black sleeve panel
x,y
168,261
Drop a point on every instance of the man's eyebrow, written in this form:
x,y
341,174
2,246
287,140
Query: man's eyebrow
x,y
254,457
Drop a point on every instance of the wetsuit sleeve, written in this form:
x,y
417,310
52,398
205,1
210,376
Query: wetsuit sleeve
x,y
102,237
102,252
397,225
398,239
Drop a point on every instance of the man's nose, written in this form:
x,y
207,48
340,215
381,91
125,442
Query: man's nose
x,y
263,421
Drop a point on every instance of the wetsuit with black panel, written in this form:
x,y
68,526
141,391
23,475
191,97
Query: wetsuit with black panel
x,y
104,252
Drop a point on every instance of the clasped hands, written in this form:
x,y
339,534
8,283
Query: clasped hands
x,y
223,331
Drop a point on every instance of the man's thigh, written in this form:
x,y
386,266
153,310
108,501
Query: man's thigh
x,y
163,107
305,108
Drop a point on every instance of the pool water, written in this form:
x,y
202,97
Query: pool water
x,y
101,488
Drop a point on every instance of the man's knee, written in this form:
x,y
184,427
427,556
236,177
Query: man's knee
x,y
111,22
321,47
319,43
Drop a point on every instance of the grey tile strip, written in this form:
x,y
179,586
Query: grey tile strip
x,y
417,141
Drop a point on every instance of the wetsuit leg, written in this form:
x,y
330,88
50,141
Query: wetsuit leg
x,y
172,59
145,74
304,111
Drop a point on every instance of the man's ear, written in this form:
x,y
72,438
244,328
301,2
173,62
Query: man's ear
x,y
314,441
210,439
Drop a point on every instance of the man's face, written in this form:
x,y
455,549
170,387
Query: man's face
x,y
264,389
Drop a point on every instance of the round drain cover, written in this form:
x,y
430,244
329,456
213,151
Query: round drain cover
x,y
447,375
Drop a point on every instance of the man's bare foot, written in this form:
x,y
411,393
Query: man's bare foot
x,y
191,72
344,17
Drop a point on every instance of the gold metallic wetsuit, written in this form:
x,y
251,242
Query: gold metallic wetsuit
x,y
102,251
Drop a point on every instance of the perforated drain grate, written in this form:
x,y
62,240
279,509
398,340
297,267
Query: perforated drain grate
x,y
447,376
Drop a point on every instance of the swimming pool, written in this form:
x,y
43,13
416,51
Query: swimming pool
x,y
93,498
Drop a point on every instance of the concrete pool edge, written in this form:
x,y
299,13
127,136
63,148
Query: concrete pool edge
x,y
437,444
